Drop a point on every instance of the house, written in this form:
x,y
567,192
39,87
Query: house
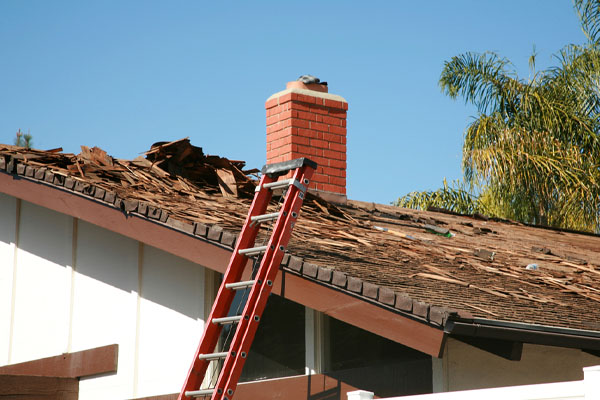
x,y
109,269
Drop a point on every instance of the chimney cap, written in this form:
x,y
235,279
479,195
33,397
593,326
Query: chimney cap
x,y
308,79
308,82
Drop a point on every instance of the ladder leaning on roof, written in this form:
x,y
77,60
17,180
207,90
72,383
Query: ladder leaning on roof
x,y
260,285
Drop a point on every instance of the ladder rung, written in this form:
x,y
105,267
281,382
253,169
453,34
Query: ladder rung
x,y
239,285
264,217
227,320
199,393
213,356
252,251
279,184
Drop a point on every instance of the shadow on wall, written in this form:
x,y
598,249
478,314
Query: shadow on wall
x,y
387,379
333,393
104,256
401,378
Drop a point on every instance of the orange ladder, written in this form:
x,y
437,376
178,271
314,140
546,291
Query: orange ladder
x,y
260,285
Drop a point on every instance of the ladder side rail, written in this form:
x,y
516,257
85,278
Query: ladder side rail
x,y
224,298
258,296
252,297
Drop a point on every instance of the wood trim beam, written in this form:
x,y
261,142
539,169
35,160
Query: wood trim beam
x,y
291,388
100,360
13,387
362,314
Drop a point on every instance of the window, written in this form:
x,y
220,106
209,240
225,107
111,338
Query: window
x,y
371,362
278,349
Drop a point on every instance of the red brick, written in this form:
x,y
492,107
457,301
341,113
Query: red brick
x,y
307,115
332,120
319,143
273,111
281,133
337,147
320,178
319,110
301,140
337,130
321,161
282,150
333,103
338,164
278,109
309,133
319,126
272,103
344,106
285,98
337,181
332,137
287,140
332,171
287,114
299,106
272,119
310,151
338,113
333,188
274,128
344,123
307,99
272,159
300,123
334,155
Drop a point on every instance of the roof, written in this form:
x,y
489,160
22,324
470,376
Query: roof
x,y
428,265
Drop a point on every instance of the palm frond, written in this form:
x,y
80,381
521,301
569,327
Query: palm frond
x,y
589,15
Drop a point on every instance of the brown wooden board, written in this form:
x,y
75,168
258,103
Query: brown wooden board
x,y
100,360
19,387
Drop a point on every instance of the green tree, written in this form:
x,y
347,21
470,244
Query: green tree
x,y
23,139
533,152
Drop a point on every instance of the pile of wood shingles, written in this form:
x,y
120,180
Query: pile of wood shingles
x,y
413,261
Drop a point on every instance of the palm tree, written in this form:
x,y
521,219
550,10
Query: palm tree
x,y
533,152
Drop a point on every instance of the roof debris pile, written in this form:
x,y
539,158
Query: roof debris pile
x,y
174,175
181,159
382,253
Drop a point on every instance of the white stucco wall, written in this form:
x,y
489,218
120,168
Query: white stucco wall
x,y
8,207
170,320
78,286
41,306
465,367
104,305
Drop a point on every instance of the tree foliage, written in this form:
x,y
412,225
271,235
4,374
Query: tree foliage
x,y
533,151
23,139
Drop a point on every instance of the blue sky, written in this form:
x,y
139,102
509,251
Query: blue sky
x,y
122,75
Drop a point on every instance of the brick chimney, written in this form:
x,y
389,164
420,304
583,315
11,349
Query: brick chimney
x,y
304,120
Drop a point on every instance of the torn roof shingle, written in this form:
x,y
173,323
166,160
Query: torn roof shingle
x,y
423,264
